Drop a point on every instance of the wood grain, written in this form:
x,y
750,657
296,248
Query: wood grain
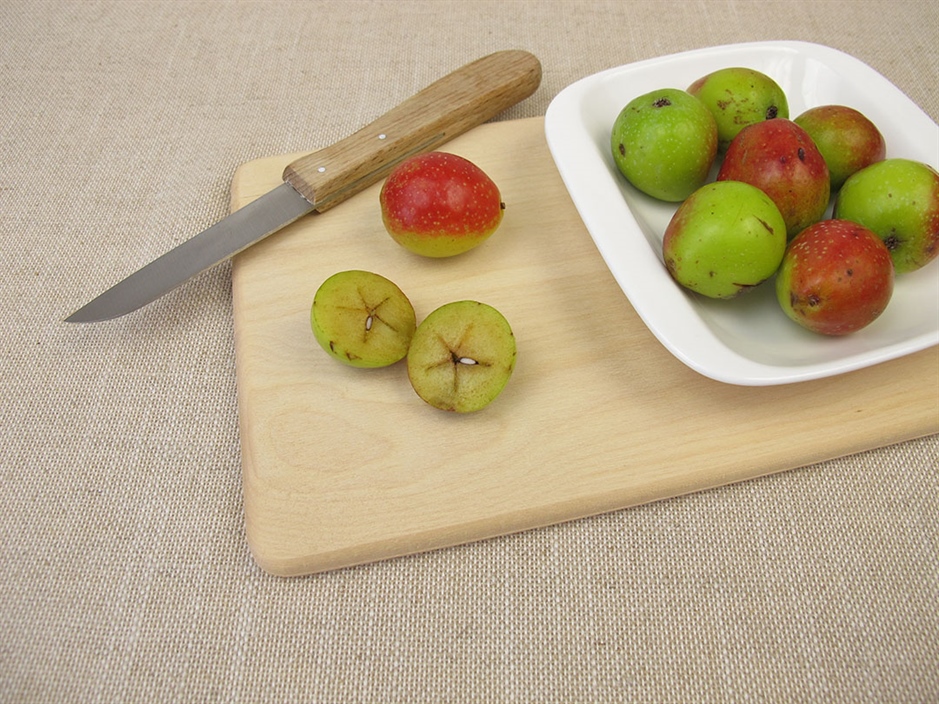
x,y
344,466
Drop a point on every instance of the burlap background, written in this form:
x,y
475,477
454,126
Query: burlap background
x,y
124,574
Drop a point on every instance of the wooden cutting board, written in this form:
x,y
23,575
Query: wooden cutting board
x,y
345,466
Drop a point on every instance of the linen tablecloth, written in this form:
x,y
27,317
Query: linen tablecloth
x,y
125,572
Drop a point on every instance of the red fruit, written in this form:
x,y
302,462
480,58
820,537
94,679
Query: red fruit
x,y
835,278
847,139
778,157
439,204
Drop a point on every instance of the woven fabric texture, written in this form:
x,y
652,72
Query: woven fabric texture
x,y
125,573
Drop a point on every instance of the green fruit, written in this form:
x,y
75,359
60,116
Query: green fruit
x,y
362,319
726,238
738,97
664,143
462,356
439,205
847,140
899,200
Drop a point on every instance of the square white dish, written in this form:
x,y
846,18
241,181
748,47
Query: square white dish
x,y
746,341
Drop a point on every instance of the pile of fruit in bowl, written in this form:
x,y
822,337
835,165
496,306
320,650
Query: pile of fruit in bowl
x,y
763,216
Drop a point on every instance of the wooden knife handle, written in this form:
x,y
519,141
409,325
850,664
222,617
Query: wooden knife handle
x,y
446,108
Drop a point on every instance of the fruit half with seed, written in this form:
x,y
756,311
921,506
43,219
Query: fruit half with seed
x,y
462,356
362,319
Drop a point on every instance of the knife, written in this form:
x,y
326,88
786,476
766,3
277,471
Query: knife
x,y
322,179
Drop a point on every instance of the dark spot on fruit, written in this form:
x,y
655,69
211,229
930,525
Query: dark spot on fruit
x,y
892,241
801,154
662,103
766,225
813,300
850,272
771,112
622,149
742,288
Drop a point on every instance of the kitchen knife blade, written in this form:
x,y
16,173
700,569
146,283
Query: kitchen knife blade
x,y
322,179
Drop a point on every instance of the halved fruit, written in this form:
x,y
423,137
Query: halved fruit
x,y
362,319
461,356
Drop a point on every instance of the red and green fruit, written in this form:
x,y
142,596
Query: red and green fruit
x,y
726,238
439,204
899,200
846,138
362,319
738,97
836,278
461,356
664,143
778,157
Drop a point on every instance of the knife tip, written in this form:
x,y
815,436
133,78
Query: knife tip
x,y
83,315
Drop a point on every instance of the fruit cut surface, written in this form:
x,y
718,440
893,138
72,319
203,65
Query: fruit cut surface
x,y
462,356
362,319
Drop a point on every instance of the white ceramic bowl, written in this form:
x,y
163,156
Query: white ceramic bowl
x,y
748,340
